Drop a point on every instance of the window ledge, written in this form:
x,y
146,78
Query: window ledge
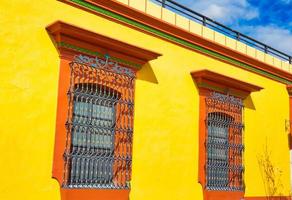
x,y
223,195
77,194
206,79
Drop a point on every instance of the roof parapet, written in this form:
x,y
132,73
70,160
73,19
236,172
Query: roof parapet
x,y
189,20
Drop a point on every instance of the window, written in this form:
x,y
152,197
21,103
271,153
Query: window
x,y
99,125
94,125
224,144
221,144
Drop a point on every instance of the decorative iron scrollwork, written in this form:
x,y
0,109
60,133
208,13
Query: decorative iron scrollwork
x,y
228,99
103,64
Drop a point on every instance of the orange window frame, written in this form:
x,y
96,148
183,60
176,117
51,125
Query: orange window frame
x,y
60,148
71,41
206,82
85,74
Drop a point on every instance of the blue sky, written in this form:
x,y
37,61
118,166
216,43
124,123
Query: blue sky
x,y
269,21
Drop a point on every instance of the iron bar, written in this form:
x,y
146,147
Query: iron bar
x,y
163,3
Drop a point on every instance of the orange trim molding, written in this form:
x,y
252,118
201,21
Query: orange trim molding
x,y
89,42
206,82
213,81
73,36
91,194
289,90
60,145
179,36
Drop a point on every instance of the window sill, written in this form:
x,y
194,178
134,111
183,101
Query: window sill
x,y
223,195
91,194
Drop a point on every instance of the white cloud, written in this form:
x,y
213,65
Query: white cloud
x,y
273,35
226,11
286,1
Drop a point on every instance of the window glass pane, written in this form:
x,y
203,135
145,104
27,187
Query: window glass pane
x,y
219,136
92,141
217,151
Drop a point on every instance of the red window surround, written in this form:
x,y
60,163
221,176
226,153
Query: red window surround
x,y
63,33
208,81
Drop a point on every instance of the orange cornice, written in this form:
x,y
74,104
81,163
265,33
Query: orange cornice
x,y
80,38
170,29
206,79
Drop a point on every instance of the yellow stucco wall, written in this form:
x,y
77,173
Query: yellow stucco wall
x,y
165,150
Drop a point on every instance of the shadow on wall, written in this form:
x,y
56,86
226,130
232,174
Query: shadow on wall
x,y
271,175
146,73
248,103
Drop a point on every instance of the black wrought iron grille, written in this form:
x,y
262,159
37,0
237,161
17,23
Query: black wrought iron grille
x,y
99,125
224,143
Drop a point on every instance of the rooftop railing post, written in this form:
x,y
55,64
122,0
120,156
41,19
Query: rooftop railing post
x,y
266,49
204,21
238,36
163,3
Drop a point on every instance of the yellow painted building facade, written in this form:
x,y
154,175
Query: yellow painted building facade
x,y
166,120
